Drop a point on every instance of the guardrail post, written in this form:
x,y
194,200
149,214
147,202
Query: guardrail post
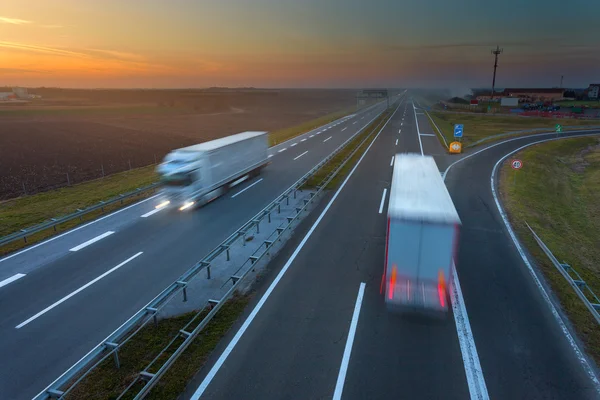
x,y
25,239
154,311
55,394
269,216
287,200
294,193
278,208
208,272
228,257
257,226
114,346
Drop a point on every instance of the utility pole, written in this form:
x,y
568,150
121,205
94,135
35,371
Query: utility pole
x,y
496,53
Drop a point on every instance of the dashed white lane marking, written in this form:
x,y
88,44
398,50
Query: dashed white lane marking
x,y
11,279
311,136
92,241
396,142
284,149
339,386
152,212
427,134
303,140
300,155
327,139
67,297
246,188
392,161
382,201
293,144
270,155
344,129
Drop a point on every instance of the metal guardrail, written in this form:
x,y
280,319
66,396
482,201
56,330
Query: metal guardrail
x,y
585,293
110,346
23,233
546,129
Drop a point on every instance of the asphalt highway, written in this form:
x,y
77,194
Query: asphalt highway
x,y
318,328
75,289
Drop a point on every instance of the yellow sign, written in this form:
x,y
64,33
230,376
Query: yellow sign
x,y
455,147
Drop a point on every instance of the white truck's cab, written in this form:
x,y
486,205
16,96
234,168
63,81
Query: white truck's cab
x,y
422,237
197,174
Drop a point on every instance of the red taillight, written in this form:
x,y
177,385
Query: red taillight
x,y
442,289
392,282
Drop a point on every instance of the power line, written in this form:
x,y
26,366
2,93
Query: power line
x,y
496,53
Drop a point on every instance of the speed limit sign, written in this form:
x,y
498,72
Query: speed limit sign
x,y
516,164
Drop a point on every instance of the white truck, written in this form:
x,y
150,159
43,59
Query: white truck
x,y
422,237
194,175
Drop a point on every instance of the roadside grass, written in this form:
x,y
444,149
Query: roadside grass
x,y
26,211
108,382
284,134
579,103
557,193
477,127
330,166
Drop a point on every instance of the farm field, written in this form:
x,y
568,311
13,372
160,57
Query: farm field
x,y
71,136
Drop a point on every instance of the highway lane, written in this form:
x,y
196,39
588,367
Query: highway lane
x,y
294,345
170,243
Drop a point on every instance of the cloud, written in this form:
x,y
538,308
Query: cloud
x,y
14,21
118,55
41,49
52,26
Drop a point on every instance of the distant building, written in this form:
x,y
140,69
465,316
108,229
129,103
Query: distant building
x,y
525,95
21,93
7,96
593,91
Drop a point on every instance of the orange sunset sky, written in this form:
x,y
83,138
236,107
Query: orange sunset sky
x,y
268,43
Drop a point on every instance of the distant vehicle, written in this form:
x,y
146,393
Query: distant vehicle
x,y
194,175
422,237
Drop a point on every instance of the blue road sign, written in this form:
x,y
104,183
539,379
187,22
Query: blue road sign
x,y
458,130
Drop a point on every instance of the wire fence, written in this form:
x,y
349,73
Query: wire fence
x,y
35,178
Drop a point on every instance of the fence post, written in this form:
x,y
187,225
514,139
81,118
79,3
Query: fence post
x,y
24,190
129,164
68,180
102,165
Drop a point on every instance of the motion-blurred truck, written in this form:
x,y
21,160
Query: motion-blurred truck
x,y
194,175
422,237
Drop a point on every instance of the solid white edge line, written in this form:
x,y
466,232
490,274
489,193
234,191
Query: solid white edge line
x,y
339,386
11,279
418,131
327,139
77,228
213,371
382,201
149,213
473,371
578,353
91,241
67,297
246,188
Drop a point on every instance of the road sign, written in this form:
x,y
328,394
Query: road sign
x,y
558,128
516,164
455,147
458,130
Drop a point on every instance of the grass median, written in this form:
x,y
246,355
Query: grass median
x,y
557,193
477,127
355,143
108,382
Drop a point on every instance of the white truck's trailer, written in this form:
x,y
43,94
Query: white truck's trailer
x,y
197,174
422,236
